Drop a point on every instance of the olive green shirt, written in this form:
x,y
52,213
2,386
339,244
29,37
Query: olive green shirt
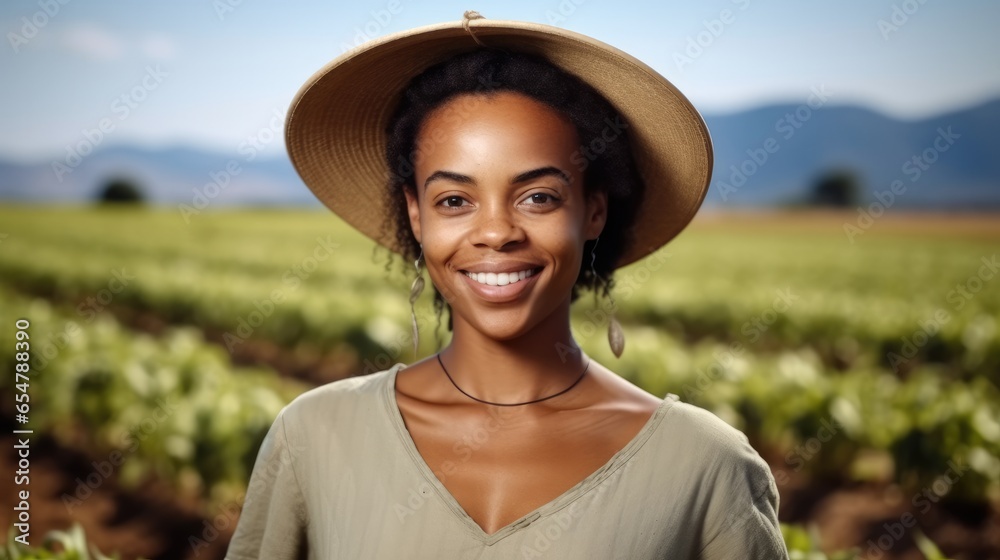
x,y
338,477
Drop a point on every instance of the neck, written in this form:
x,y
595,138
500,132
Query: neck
x,y
537,364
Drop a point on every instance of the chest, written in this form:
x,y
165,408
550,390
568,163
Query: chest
x,y
499,470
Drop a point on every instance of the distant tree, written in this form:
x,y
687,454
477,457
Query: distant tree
x,y
838,188
121,191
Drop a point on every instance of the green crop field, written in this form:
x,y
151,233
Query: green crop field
x,y
857,364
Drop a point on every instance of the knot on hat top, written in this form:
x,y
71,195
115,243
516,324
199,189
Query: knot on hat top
x,y
468,16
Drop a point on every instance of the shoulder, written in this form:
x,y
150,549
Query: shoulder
x,y
703,426
349,398
701,443
731,484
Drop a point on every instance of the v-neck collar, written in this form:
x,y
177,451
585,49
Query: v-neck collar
x,y
591,481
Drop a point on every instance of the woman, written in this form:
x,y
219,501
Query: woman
x,y
515,181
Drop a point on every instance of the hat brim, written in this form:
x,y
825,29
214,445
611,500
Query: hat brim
x,y
335,128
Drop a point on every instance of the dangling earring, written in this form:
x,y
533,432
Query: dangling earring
x,y
415,289
616,337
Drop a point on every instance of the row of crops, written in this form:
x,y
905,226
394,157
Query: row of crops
x,y
172,408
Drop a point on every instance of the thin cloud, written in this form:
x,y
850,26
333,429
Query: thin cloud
x,y
96,43
93,42
158,46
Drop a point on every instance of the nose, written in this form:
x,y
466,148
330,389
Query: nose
x,y
496,226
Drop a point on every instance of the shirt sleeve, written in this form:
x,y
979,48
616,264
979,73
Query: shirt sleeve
x,y
745,510
272,524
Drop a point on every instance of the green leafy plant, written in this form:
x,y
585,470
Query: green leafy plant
x,y
173,408
56,545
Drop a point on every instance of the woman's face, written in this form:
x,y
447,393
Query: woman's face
x,y
499,195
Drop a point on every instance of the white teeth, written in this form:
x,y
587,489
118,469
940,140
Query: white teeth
x,y
499,278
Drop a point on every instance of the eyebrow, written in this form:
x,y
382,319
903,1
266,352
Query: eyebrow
x,y
519,178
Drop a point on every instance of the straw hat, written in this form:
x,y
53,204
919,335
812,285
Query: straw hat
x,y
335,129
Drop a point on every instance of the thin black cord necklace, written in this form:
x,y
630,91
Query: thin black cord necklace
x,y
512,404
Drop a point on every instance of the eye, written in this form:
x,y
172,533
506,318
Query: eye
x,y
541,199
446,202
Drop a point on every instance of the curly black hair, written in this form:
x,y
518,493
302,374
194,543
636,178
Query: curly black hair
x,y
606,164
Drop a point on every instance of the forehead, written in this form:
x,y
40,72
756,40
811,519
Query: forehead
x,y
468,104
502,129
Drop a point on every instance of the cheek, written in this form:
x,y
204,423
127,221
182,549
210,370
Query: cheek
x,y
438,271
567,251
573,262
440,245
445,238
562,236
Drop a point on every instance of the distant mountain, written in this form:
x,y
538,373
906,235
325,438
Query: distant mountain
x,y
763,157
170,176
957,164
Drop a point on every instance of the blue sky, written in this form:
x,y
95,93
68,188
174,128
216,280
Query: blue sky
x,y
218,70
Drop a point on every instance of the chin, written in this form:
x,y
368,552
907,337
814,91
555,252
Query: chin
x,y
502,325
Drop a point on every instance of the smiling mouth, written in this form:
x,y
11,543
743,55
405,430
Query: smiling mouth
x,y
501,278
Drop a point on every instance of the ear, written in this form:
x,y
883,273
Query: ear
x,y
597,213
413,209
